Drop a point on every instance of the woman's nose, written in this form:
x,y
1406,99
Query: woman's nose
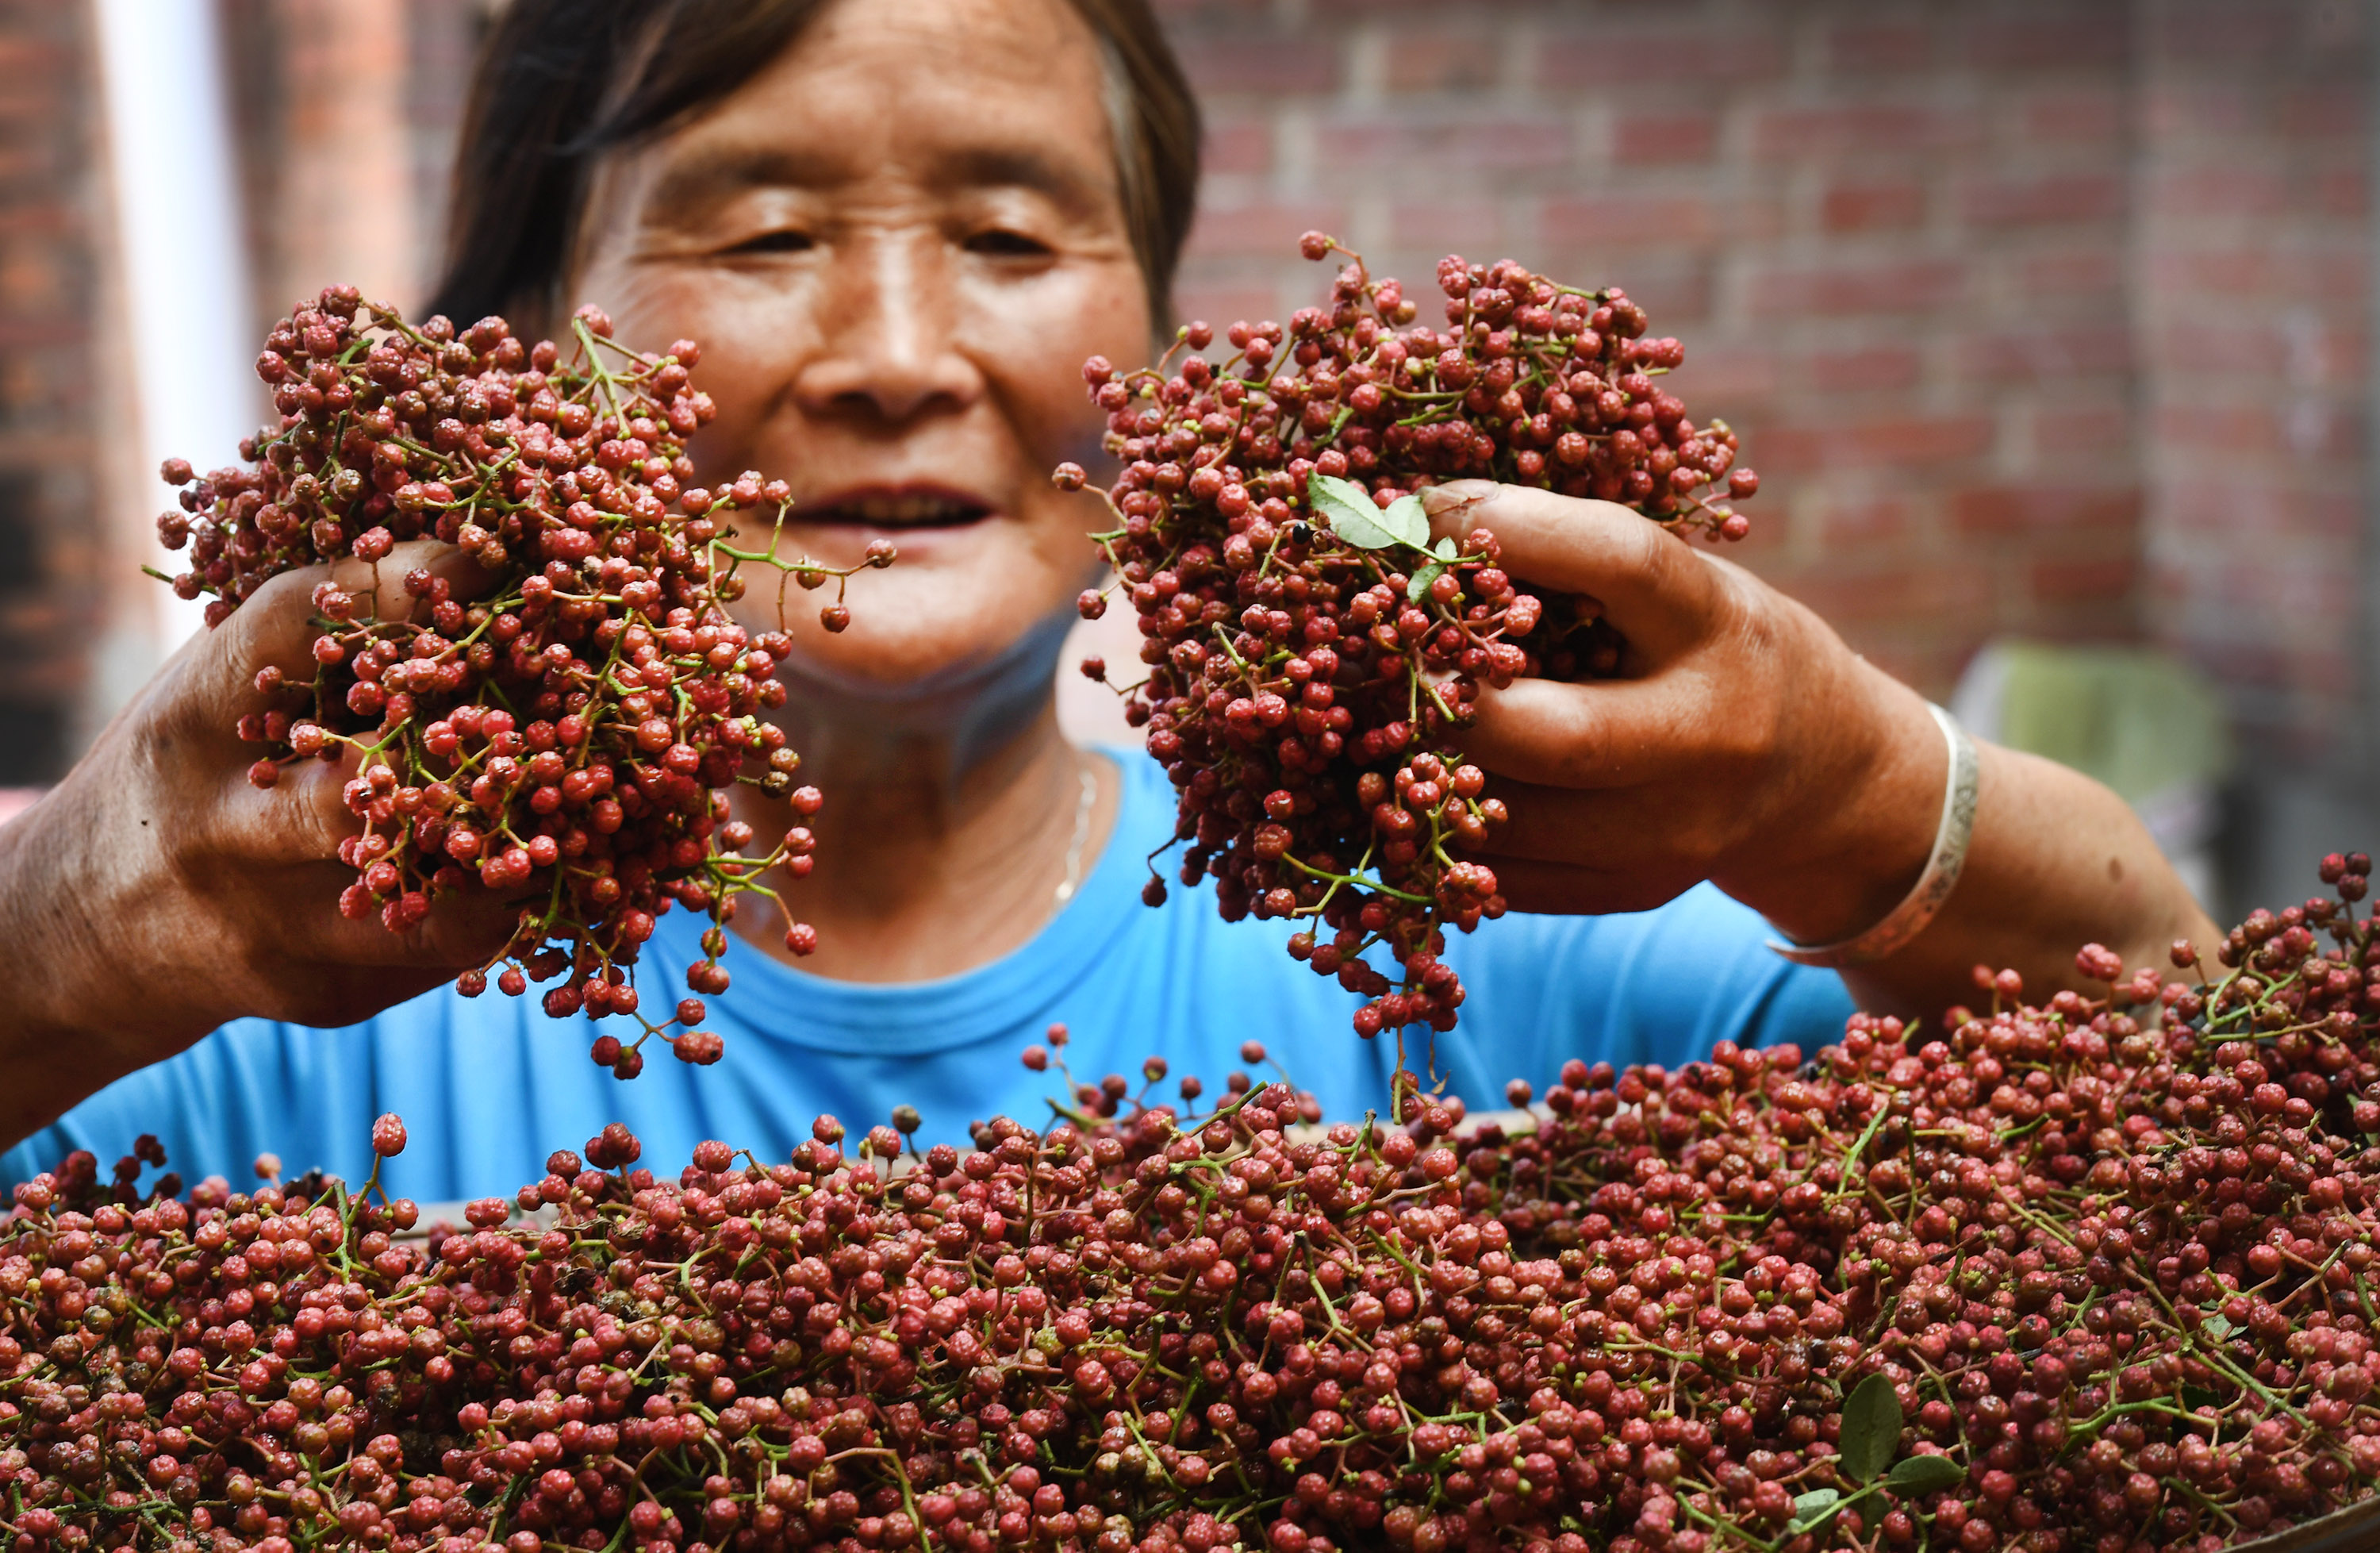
x,y
887,348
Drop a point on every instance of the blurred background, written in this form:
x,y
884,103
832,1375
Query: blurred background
x,y
2047,326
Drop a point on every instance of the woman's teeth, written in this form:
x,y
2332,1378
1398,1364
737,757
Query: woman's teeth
x,y
898,510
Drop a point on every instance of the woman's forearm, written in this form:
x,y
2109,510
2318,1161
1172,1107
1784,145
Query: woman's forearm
x,y
156,893
83,1008
2056,861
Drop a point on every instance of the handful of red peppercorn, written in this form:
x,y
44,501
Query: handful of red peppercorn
x,y
2088,1276
1311,650
562,731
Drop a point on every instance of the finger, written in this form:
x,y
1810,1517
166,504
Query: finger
x,y
1655,586
1612,734
466,925
276,625
346,970
303,816
381,589
1575,828
1540,887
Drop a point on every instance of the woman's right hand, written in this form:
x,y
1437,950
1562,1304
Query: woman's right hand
x,y
157,892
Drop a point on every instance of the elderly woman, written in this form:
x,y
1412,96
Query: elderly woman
x,y
897,228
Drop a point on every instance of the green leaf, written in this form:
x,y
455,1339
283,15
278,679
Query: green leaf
x,y
1814,1507
1924,1475
1871,1428
1408,519
1444,549
2218,1326
1422,580
2196,1397
1347,509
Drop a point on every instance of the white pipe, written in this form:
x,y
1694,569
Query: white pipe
x,y
173,163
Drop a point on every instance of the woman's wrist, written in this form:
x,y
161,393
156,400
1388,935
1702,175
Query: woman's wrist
x,y
1863,815
1917,908
82,910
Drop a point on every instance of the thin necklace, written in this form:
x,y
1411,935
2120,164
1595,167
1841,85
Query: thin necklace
x,y
1082,834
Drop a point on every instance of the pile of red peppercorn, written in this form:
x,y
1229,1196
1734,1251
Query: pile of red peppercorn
x,y
2095,1274
1311,650
562,730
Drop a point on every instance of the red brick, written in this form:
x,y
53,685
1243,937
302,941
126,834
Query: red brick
x,y
1881,366
2221,32
1865,519
49,218
1883,42
1855,596
1872,204
2255,271
2225,515
38,333
2048,199
1442,59
1915,440
1237,146
1788,133
1664,138
1266,65
1332,12
2110,579
1178,13
2048,353
2064,37
1474,145
1262,229
2004,510
2101,433
1852,289
2204,338
2180,110
2341,192
2099,271
1221,303
1726,372
2326,111
1457,225
1599,221
2200,193
34,68
1748,47
2093,115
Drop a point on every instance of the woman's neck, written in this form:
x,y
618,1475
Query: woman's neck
x,y
953,818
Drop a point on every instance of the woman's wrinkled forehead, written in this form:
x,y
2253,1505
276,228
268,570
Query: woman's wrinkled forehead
x,y
947,95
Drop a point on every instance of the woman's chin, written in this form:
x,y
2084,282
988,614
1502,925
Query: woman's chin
x,y
902,651
920,546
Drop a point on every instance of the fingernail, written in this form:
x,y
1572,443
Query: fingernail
x,y
1455,494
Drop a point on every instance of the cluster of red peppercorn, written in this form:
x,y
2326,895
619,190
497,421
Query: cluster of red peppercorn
x,y
561,731
1309,649
2096,1273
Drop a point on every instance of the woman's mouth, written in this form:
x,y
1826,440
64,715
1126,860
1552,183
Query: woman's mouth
x,y
909,507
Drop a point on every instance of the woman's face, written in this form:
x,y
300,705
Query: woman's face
x,y
895,246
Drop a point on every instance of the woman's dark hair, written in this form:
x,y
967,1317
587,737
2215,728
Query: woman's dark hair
x,y
561,83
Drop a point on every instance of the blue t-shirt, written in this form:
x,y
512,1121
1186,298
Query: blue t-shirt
x,y
489,1087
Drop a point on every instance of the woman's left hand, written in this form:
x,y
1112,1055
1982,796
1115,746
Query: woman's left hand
x,y
1743,743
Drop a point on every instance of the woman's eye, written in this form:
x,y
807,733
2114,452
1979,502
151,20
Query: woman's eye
x,y
775,242
1001,243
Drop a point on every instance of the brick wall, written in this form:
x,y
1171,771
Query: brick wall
x,y
2040,316
52,577
347,116
2255,276
1960,273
